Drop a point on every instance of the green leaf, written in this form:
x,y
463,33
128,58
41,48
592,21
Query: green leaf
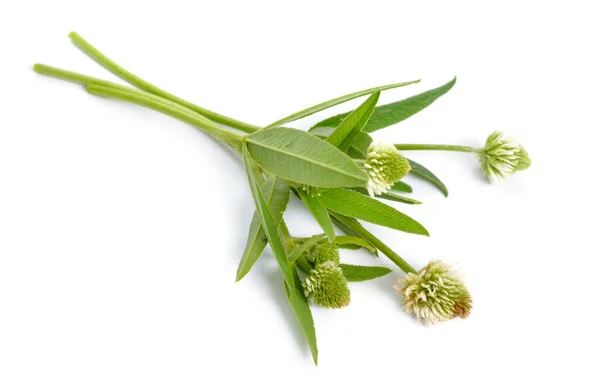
x,y
299,304
304,246
402,187
346,132
277,195
392,113
351,242
319,212
358,148
390,195
336,101
268,223
360,273
293,288
421,171
356,205
303,158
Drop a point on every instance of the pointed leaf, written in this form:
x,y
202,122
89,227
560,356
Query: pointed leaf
x,y
319,212
356,205
268,223
293,288
300,157
299,304
336,101
390,195
351,242
392,113
421,171
360,273
343,136
277,195
358,148
402,187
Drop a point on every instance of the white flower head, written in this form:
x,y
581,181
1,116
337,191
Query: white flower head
x,y
502,156
435,293
385,166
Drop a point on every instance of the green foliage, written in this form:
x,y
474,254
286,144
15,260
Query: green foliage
x,y
303,158
277,194
392,113
356,205
314,206
402,187
360,273
344,134
352,242
421,171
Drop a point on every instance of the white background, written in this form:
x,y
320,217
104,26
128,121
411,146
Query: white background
x,y
121,229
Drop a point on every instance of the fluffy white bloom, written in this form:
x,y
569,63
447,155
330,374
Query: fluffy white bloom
x,y
435,293
385,166
502,156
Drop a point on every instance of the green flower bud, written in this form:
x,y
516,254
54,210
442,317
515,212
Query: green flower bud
x,y
385,167
502,156
435,294
326,286
325,251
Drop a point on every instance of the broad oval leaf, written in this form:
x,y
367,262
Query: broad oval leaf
x,y
395,112
344,134
356,205
277,195
336,101
320,213
421,171
360,273
303,158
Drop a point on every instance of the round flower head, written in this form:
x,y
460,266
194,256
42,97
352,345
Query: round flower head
x,y
385,166
435,294
325,285
502,156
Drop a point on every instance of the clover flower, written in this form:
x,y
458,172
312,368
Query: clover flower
x,y
385,166
325,285
325,251
435,293
502,156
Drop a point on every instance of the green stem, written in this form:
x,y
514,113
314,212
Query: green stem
x,y
113,90
442,147
121,72
357,228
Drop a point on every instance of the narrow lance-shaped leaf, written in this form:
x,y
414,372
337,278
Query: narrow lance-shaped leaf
x,y
390,195
277,195
421,171
303,158
320,213
392,113
344,134
293,288
360,273
359,206
336,101
358,148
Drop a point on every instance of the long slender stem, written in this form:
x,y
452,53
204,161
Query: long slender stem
x,y
121,72
443,147
162,105
367,235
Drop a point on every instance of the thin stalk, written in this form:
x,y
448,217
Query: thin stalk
x,y
144,99
442,147
122,73
169,108
356,227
